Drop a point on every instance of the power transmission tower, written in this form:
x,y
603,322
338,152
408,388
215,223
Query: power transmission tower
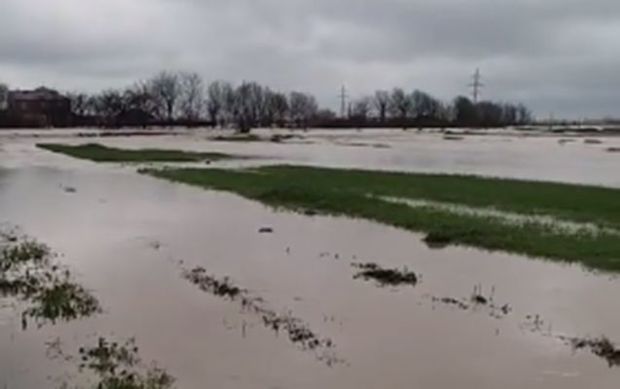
x,y
343,101
476,85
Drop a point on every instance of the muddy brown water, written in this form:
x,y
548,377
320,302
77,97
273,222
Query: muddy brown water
x,y
128,239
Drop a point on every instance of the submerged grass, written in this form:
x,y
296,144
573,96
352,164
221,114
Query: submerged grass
x,y
357,193
99,153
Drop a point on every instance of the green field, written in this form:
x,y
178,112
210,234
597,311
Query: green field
x,y
594,211
99,153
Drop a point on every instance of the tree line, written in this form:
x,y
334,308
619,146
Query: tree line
x,y
180,98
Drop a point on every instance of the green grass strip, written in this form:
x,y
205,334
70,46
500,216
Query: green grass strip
x,y
99,153
346,192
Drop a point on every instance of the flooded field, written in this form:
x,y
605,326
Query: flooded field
x,y
224,292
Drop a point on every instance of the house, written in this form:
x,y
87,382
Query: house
x,y
41,107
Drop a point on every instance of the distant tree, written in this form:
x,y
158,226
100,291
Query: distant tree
x,y
78,102
191,97
424,105
166,89
524,115
244,106
303,107
361,108
490,114
278,106
381,102
109,105
400,105
139,97
465,112
216,100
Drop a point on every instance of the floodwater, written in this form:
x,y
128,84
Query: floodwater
x,y
129,238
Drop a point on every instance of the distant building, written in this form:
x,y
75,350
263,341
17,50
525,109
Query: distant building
x,y
41,107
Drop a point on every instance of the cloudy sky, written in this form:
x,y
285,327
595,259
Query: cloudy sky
x,y
560,56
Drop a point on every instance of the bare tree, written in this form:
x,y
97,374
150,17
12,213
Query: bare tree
x,y
278,106
78,102
303,107
361,108
400,104
424,105
191,96
216,100
109,105
166,89
381,102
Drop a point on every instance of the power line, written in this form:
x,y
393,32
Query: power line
x,y
476,85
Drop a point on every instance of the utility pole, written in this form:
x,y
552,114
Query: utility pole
x,y
343,101
476,85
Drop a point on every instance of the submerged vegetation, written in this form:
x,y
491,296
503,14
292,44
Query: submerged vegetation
x,y
99,153
47,291
593,211
385,277
296,330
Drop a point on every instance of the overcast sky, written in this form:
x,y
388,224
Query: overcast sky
x,y
560,56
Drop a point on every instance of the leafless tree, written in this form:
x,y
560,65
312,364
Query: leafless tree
x,y
216,100
424,105
78,102
166,89
381,102
361,108
400,104
303,107
191,99
278,106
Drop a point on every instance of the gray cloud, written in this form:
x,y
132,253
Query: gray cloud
x,y
555,55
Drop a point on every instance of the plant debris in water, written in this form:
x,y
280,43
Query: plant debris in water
x,y
385,277
48,291
601,347
477,300
114,365
296,330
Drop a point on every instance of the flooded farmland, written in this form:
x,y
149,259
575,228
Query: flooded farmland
x,y
224,292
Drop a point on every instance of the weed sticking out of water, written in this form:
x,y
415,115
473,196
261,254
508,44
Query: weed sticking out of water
x,y
115,365
385,277
48,291
613,150
601,347
296,330
477,301
99,153
593,141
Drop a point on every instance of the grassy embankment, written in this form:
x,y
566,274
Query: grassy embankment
x,y
99,153
356,193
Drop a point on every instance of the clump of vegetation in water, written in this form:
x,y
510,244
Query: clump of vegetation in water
x,y
113,365
99,153
362,194
385,277
48,291
296,330
601,347
476,301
